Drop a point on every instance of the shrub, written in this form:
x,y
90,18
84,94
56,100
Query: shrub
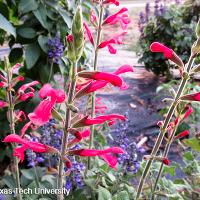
x,y
172,26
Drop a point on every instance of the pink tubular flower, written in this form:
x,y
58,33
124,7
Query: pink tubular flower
x,y
84,134
116,2
93,18
19,116
42,113
22,93
106,154
3,104
92,86
167,52
98,120
102,76
3,84
182,134
121,16
188,112
117,39
34,146
88,33
191,97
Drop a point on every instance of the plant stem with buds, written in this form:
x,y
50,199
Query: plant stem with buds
x,y
165,125
66,127
165,154
12,126
95,69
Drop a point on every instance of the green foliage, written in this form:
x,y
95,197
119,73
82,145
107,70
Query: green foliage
x,y
172,29
30,24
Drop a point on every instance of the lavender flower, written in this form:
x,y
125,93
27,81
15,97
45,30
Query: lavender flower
x,y
52,136
55,49
142,21
156,8
147,11
129,160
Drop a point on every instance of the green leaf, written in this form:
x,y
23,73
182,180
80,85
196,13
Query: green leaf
x,y
32,54
27,6
28,33
15,55
4,10
41,15
7,26
65,17
123,195
194,143
9,181
43,40
28,173
169,169
188,156
104,194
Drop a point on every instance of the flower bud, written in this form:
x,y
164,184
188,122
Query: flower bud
x,y
196,47
78,33
198,29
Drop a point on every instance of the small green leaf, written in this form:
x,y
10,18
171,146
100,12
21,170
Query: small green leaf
x,y
32,54
194,143
9,181
27,6
29,174
28,33
123,195
188,156
7,26
104,194
43,40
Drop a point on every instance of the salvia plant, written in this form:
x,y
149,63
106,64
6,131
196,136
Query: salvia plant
x,y
59,133
168,127
58,143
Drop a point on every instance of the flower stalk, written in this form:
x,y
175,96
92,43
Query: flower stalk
x,y
12,124
165,154
165,125
99,30
66,127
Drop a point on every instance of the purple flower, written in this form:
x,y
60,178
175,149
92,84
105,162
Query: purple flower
x,y
129,160
147,11
55,49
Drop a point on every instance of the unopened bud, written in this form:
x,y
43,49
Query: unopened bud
x,y
198,29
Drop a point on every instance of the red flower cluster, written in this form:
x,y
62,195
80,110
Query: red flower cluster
x,y
42,113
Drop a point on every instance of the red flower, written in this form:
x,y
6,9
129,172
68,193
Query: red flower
x,y
42,113
102,76
106,154
34,146
116,2
121,17
117,39
182,134
83,135
191,97
3,104
92,86
22,93
98,120
188,112
167,52
88,33
166,161
70,38
3,84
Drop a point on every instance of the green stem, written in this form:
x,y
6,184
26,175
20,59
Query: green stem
x,y
66,133
163,130
12,127
165,154
91,141
51,71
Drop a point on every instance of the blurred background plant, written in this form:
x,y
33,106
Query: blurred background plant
x,y
171,25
